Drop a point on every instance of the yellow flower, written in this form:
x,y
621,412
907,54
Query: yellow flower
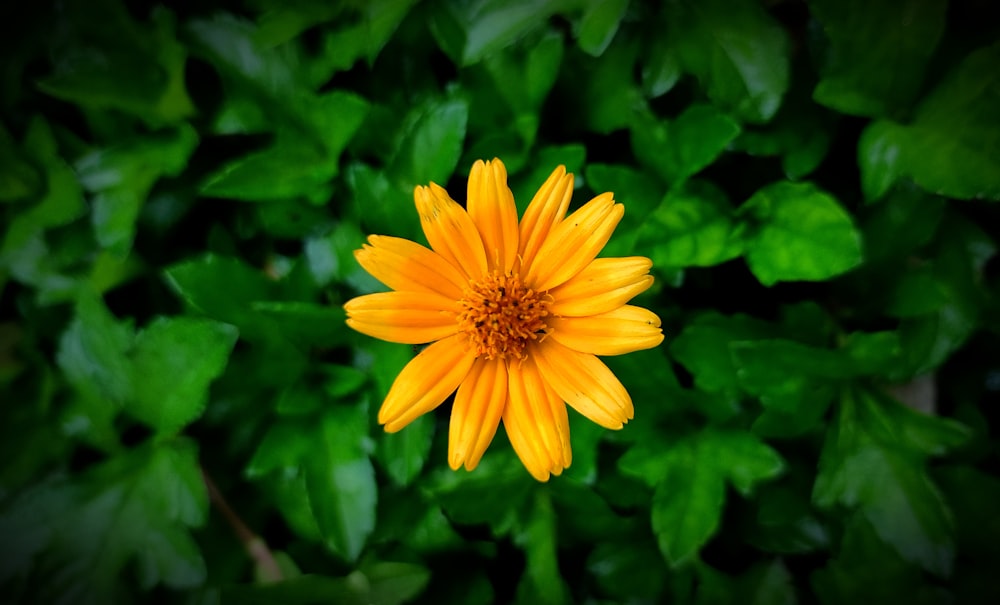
x,y
516,312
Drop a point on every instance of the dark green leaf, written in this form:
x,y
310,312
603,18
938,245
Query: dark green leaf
x,y
404,453
951,146
679,149
802,234
703,347
869,40
108,61
639,192
136,507
736,50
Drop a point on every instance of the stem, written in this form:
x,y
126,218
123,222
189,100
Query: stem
x,y
255,546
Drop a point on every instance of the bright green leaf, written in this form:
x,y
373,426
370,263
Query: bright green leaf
x,y
802,234
693,226
341,481
174,361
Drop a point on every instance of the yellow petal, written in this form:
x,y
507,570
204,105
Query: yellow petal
x,y
546,209
585,383
617,332
574,242
479,402
536,421
426,381
405,265
450,230
603,285
491,206
404,317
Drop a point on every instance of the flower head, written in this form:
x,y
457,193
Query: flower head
x,y
516,314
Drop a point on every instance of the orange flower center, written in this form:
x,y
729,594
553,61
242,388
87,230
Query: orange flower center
x,y
501,316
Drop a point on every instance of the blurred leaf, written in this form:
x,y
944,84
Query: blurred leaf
x,y
878,469
801,133
93,353
174,362
282,448
430,144
703,347
495,493
541,583
524,75
599,24
661,68
381,583
768,584
869,40
739,54
679,149
951,146
802,234
613,97
404,453
107,61
341,481
135,507
470,31
865,568
20,180
786,523
693,226
122,176
221,288
623,569
306,324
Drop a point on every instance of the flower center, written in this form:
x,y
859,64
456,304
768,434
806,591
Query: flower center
x,y
501,316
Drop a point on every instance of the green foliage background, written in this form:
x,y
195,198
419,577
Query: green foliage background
x,y
181,188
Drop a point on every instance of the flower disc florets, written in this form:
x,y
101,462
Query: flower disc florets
x,y
501,316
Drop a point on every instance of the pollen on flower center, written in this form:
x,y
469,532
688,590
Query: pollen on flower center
x,y
501,316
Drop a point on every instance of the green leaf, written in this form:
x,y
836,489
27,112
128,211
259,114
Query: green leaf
x,y
623,569
613,97
599,24
877,467
379,583
865,568
801,233
174,361
470,31
693,226
403,454
541,583
687,504
20,180
108,61
133,508
951,146
431,144
768,584
679,149
869,40
743,458
122,176
221,288
306,324
93,353
341,481
703,348
283,448
739,54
